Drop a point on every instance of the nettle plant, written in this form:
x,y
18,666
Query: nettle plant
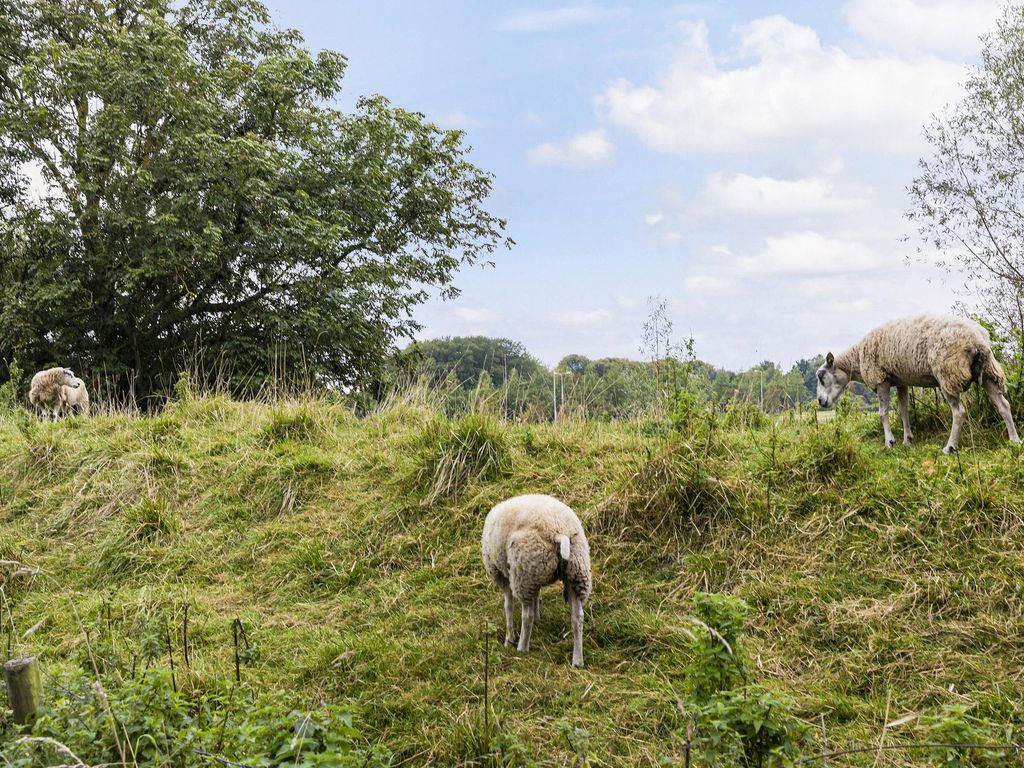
x,y
734,722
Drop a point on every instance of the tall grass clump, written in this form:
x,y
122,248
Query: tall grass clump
x,y
298,423
825,455
665,493
134,543
456,453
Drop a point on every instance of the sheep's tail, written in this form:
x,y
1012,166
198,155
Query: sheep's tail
x,y
985,367
563,546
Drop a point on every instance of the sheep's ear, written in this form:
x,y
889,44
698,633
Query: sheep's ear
x,y
830,360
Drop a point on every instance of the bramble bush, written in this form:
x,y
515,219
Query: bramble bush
x,y
735,722
146,721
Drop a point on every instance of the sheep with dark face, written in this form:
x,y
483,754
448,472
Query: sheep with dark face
x,y
940,351
45,390
532,541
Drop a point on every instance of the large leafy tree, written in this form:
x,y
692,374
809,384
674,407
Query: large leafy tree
x,y
467,356
968,197
176,179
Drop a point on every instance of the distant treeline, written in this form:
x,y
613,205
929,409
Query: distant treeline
x,y
502,371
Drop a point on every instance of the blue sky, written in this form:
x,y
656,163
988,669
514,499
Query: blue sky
x,y
745,161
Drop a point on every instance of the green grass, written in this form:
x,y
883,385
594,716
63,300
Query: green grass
x,y
882,583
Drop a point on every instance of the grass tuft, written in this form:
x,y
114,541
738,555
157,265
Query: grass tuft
x,y
460,452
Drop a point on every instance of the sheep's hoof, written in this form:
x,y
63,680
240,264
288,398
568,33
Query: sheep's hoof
x,y
949,449
908,440
890,442
578,663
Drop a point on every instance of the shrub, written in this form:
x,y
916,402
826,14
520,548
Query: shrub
x,y
734,723
10,390
159,726
954,725
717,663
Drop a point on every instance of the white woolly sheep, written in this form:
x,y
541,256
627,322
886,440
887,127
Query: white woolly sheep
x,y
45,390
532,541
940,351
75,399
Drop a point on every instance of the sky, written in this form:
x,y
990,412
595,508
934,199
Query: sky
x,y
747,162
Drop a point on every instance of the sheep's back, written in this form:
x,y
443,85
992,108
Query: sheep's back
x,y
530,522
45,386
925,350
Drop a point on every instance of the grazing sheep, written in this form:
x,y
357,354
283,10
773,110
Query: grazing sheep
x,y
924,351
75,399
45,390
532,541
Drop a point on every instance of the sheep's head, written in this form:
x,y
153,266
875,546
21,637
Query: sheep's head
x,y
69,379
832,382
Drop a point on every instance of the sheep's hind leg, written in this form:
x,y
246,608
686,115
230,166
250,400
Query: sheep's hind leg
x,y
527,628
883,410
1003,406
510,618
958,418
576,606
904,393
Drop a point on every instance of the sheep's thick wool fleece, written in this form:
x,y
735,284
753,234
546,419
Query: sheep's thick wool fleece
x,y
926,350
521,542
46,386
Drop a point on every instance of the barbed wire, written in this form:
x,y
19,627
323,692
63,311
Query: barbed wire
x,y
898,747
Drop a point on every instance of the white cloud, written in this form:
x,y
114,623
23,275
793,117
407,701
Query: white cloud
x,y
706,284
555,18
459,120
809,253
653,219
786,86
944,26
583,319
746,195
472,314
584,150
451,319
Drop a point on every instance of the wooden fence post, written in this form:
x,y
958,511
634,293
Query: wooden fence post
x,y
24,688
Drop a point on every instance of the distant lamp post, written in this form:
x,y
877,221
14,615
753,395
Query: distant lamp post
x,y
555,376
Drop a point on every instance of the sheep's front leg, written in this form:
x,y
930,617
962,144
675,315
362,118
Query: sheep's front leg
x,y
1003,406
904,393
883,410
576,606
958,418
527,628
510,618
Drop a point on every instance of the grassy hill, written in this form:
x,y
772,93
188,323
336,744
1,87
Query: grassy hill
x,y
880,584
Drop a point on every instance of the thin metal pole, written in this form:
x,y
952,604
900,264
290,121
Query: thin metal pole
x,y
554,396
